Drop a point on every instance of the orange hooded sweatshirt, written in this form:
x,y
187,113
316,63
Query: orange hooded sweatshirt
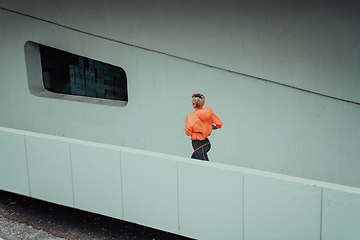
x,y
199,123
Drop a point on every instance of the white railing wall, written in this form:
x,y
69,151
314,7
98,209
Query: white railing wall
x,y
201,200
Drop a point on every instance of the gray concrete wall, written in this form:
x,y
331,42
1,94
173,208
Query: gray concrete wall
x,y
301,118
198,199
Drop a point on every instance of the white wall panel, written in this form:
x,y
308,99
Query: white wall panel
x,y
266,126
340,215
312,45
201,200
50,170
280,209
13,165
210,201
97,179
150,191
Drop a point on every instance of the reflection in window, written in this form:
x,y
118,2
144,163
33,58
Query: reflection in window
x,y
68,73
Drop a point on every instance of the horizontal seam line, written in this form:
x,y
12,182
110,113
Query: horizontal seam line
x,y
182,58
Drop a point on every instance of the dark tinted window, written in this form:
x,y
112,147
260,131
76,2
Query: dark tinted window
x,y
68,73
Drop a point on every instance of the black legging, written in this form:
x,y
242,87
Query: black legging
x,y
200,149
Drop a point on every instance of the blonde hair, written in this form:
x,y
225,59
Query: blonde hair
x,y
198,99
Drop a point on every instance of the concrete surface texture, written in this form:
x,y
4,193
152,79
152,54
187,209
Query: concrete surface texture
x,y
282,76
196,199
10,230
28,218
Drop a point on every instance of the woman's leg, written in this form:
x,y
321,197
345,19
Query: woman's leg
x,y
200,149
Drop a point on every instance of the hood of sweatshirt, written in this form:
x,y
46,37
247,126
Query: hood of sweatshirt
x,y
204,113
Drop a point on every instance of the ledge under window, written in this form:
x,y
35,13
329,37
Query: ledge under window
x,y
58,74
